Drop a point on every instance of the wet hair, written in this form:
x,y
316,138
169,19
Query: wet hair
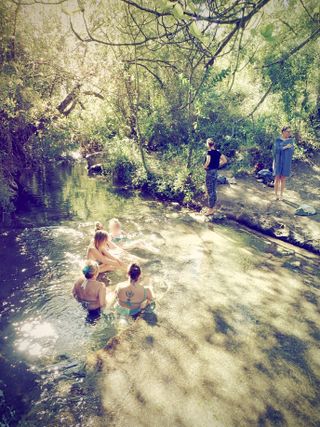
x,y
211,142
100,237
285,128
90,269
134,271
98,226
114,221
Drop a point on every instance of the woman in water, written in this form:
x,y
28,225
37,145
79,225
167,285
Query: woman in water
x,y
98,251
214,160
87,290
282,159
115,231
126,242
132,296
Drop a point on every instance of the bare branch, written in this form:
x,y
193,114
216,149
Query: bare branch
x,y
223,44
308,13
261,100
151,72
241,23
92,93
296,49
18,2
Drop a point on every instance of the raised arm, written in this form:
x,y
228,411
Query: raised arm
x,y
289,145
223,160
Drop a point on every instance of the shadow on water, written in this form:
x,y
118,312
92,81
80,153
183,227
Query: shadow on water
x,y
234,339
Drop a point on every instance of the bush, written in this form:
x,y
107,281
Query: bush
x,y
6,195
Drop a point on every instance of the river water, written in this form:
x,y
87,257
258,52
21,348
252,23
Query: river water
x,y
234,339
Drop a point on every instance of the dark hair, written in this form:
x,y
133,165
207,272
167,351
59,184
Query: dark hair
x,y
285,128
100,237
134,271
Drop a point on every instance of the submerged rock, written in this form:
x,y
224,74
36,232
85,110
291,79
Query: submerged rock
x,y
305,210
95,158
96,169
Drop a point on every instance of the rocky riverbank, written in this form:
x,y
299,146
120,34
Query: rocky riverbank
x,y
253,204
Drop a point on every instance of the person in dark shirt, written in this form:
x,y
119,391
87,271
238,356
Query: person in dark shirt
x,y
214,160
282,158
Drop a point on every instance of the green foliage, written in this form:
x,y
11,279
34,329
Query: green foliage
x,y
159,99
267,31
6,194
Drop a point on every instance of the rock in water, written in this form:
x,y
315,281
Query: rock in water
x,y
305,210
222,179
96,170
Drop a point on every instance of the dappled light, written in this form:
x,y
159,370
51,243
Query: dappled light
x,y
183,121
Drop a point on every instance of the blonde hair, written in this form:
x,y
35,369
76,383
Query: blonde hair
x,y
90,269
98,226
113,222
100,237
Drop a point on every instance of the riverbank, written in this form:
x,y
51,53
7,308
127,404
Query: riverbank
x,y
253,204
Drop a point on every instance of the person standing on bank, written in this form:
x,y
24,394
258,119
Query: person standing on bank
x,y
214,160
282,158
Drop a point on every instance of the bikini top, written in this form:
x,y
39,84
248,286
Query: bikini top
x,y
130,294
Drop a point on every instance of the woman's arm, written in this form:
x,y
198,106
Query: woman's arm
x,y
150,295
98,256
75,288
112,245
223,160
276,148
206,163
289,145
102,295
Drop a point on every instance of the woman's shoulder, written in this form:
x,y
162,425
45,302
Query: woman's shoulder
x,y
122,285
92,248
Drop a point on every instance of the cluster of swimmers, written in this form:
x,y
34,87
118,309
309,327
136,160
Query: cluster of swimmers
x,y
107,253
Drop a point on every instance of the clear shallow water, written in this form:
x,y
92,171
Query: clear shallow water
x,y
234,340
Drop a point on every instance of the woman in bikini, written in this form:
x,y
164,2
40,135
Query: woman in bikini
x,y
99,251
87,290
132,296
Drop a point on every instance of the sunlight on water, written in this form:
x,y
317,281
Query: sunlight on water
x,y
234,339
36,338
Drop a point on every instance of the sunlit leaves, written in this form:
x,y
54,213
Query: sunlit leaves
x,y
177,11
195,31
267,32
164,5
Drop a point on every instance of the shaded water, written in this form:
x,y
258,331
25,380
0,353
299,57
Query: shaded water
x,y
234,340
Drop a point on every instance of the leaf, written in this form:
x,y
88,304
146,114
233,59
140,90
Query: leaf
x,y
267,31
192,6
65,11
164,5
195,31
177,11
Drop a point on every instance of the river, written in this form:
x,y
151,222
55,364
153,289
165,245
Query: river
x,y
233,341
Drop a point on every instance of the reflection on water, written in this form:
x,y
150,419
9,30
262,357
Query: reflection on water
x,y
234,340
